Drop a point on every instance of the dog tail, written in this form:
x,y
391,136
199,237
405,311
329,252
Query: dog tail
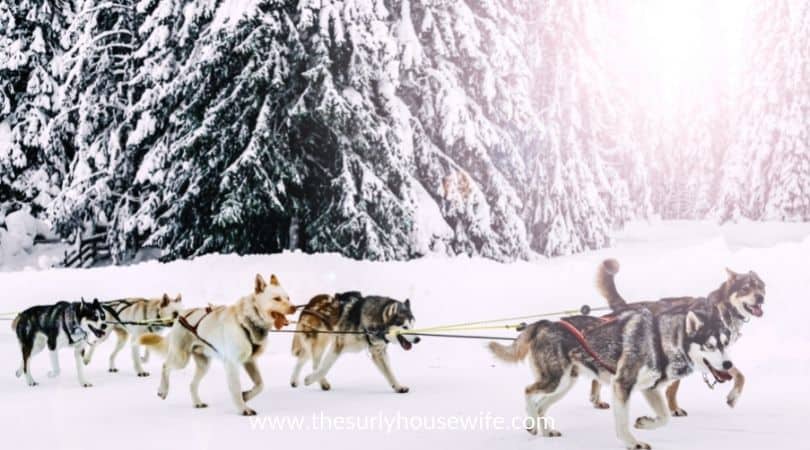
x,y
511,353
155,342
14,323
606,284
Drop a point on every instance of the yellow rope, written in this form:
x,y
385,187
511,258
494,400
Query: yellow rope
x,y
469,326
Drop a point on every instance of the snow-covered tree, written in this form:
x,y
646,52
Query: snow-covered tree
x,y
768,174
32,33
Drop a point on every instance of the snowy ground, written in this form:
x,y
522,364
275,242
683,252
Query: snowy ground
x,y
448,378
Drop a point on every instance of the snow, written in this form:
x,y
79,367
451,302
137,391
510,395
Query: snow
x,y
448,378
230,12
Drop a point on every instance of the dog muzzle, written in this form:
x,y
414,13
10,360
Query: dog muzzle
x,y
405,340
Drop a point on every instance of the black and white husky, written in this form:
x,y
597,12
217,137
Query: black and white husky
x,y
63,324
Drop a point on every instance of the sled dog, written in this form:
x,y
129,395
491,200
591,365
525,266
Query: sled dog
x,y
234,334
360,322
133,317
63,324
735,302
636,350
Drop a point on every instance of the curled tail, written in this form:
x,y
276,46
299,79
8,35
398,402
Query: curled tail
x,y
511,353
606,284
155,342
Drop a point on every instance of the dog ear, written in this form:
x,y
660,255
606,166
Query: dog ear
x,y
260,284
178,299
165,301
408,303
693,323
732,275
274,280
96,303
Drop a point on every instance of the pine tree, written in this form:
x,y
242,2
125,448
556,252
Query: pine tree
x,y
769,168
32,33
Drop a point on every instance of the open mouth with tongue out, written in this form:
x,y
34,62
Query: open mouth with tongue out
x,y
721,376
96,331
406,344
754,310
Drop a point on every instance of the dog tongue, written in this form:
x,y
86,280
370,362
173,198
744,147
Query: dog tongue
x,y
757,310
279,321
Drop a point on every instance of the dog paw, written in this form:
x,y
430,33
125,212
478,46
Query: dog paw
x,y
294,384
112,370
143,374
248,412
552,433
33,383
53,374
162,395
18,373
401,389
601,405
732,398
325,386
679,412
86,385
532,430
309,379
640,446
200,405
645,422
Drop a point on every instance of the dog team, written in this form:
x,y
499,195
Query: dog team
x,y
643,346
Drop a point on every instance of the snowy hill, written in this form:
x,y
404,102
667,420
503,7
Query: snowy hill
x,y
447,377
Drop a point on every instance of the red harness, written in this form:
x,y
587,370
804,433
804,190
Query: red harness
x,y
583,342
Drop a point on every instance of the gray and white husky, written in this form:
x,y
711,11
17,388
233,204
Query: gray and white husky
x,y
738,299
634,351
63,324
371,318
131,318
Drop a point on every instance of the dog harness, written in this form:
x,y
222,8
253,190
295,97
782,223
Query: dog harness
x,y
183,320
583,342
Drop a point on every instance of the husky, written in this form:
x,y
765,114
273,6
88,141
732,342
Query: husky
x,y
133,317
635,350
360,323
64,324
735,302
234,334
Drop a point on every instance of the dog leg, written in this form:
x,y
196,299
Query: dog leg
x,y
25,369
656,401
232,372
135,348
253,372
554,389
597,402
55,371
121,340
77,354
203,362
380,358
739,382
145,357
621,396
299,364
165,372
317,356
328,361
672,399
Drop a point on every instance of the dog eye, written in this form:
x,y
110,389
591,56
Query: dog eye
x,y
277,299
710,346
